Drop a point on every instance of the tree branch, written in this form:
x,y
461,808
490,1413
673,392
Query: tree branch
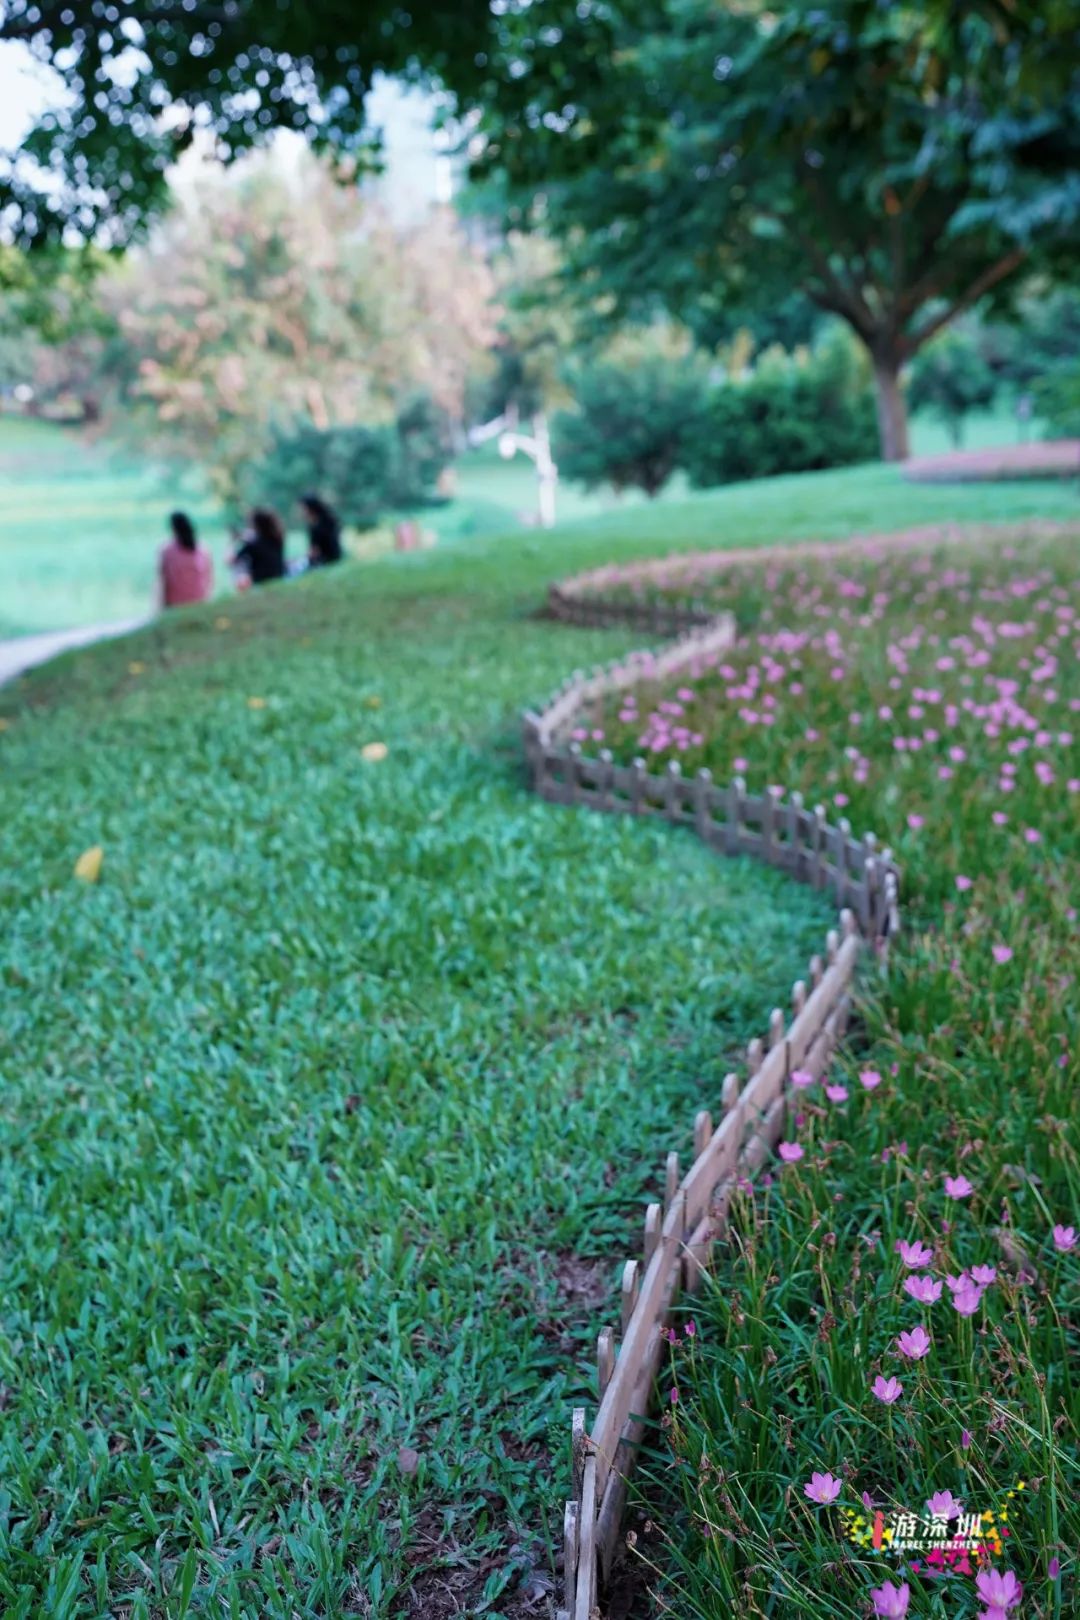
x,y
990,277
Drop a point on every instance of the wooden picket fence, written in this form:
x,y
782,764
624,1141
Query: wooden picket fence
x,y
679,1233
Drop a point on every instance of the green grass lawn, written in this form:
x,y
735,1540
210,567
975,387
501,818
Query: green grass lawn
x,y
330,1111
83,520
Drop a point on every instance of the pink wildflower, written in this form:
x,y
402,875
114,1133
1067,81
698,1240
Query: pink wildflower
x,y
822,1488
1002,954
801,1078
887,1390
958,1187
944,1503
836,1093
999,1590
914,1254
1064,1238
984,1275
925,1289
891,1602
966,1300
962,882
790,1152
914,1345
869,1078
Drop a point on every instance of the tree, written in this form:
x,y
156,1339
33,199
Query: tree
x,y
897,164
142,78
273,295
950,378
634,409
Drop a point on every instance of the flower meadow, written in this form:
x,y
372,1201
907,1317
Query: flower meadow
x,y
894,1325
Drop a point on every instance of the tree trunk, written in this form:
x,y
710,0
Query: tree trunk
x,y
891,409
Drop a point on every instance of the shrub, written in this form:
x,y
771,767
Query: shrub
x,y
360,471
632,417
792,414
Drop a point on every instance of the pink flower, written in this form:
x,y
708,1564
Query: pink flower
x,y
914,1254
965,1439
869,1078
999,818
999,1589
674,1396
958,1187
945,1503
924,1289
966,1300
1002,954
801,1078
822,1488
690,1329
836,1094
962,882
915,822
891,1602
790,1152
1053,1568
914,1345
1064,1238
887,1390
984,1275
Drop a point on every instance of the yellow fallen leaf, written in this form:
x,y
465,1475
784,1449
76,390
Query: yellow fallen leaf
x,y
136,667
88,865
256,703
374,701
222,624
374,751
5,725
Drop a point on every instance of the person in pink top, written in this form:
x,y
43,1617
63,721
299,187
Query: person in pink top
x,y
186,568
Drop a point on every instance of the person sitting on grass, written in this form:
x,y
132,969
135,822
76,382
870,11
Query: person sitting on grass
x,y
261,551
185,569
324,531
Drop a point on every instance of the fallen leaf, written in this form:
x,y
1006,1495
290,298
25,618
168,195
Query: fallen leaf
x,y
374,701
222,624
136,667
408,1460
5,725
88,865
256,703
374,751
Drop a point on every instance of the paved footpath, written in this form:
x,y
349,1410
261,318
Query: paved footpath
x,y
26,652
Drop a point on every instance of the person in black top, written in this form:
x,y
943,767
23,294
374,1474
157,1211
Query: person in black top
x,y
324,532
261,552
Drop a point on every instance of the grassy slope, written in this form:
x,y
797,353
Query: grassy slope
x,y
316,1105
82,523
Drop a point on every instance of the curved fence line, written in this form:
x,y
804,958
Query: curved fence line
x,y
680,1232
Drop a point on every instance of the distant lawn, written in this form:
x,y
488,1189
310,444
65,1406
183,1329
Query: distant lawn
x,y
329,1113
82,521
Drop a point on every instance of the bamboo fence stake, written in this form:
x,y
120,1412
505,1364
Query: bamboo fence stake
x,y
702,1132
672,790
736,795
570,1556
702,819
654,1218
637,787
605,1358
798,997
671,1180
817,847
816,972
729,1092
631,1287
579,1446
776,1027
768,816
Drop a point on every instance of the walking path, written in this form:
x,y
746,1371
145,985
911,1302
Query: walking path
x,y
26,652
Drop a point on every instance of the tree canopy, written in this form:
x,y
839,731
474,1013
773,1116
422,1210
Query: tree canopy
x,y
893,163
139,78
